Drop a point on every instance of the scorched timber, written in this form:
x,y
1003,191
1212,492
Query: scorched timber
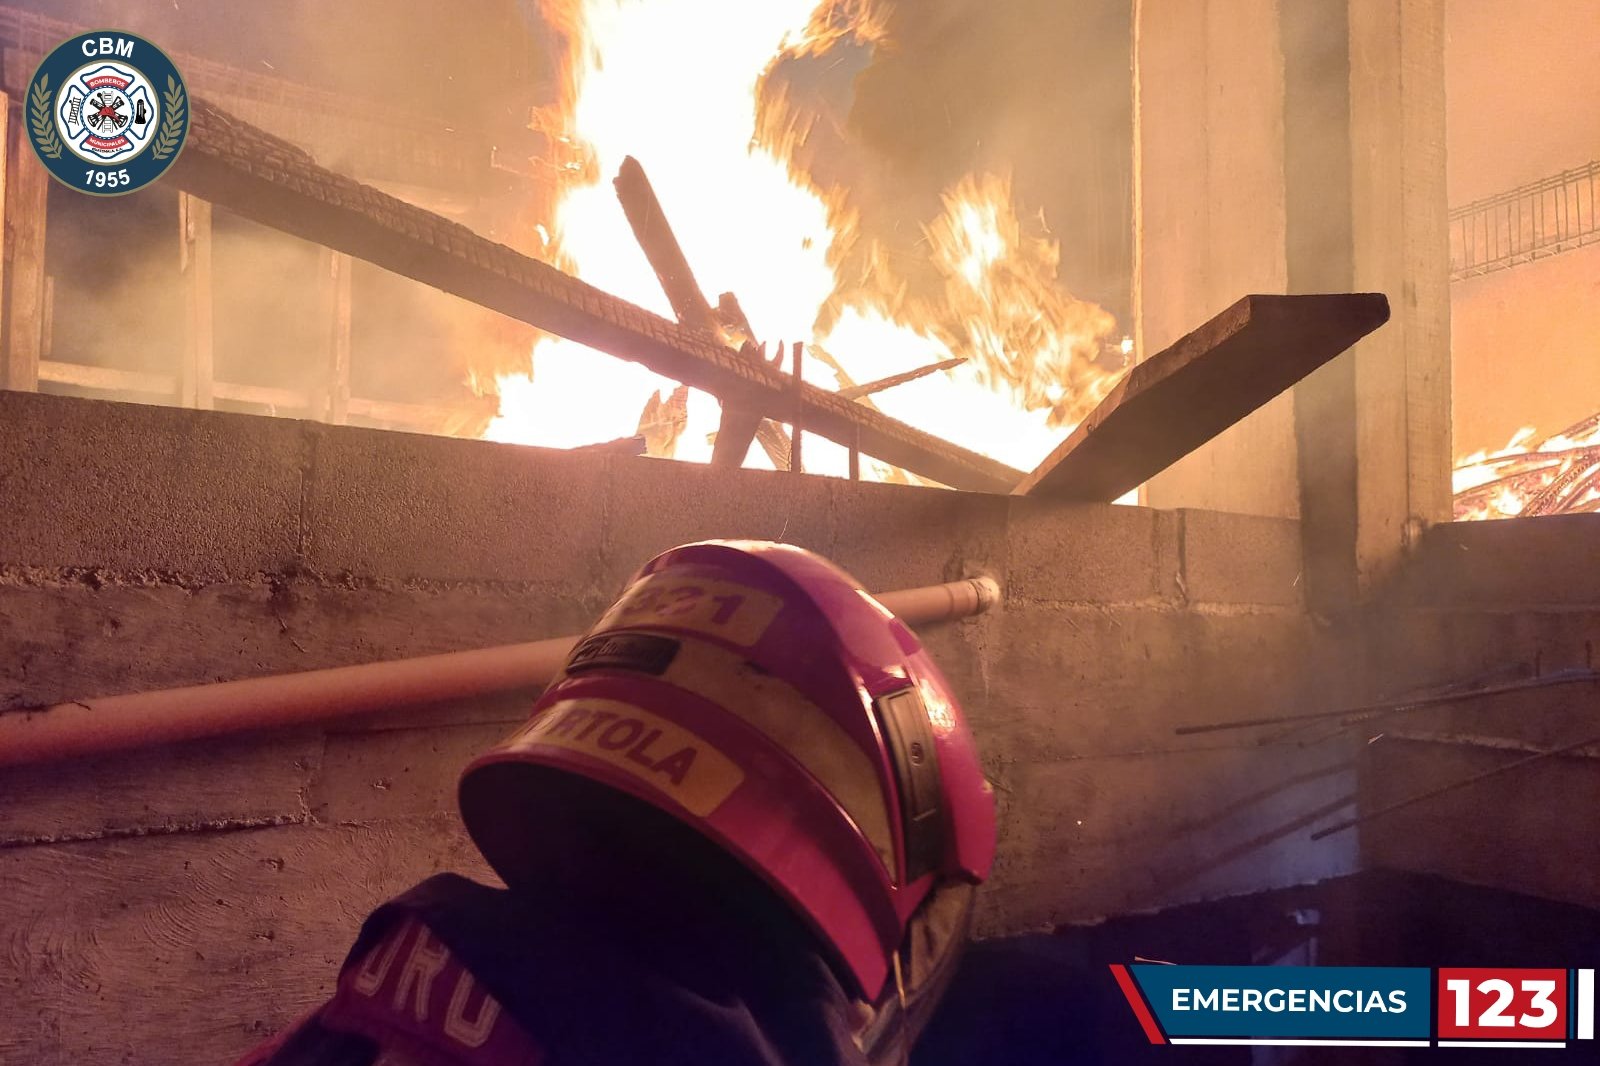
x,y
739,425
234,164
1175,401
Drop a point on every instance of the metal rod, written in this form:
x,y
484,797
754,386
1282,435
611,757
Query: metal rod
x,y
1562,677
855,456
113,723
1452,786
1499,675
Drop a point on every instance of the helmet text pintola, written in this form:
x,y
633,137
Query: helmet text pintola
x,y
756,693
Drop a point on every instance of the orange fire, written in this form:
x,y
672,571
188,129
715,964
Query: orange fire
x,y
680,87
1557,475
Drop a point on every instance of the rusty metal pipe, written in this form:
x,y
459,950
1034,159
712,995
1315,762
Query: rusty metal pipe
x,y
114,723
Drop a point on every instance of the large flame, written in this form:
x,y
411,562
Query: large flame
x,y
679,87
1557,475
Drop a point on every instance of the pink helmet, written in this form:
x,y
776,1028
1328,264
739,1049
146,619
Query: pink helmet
x,y
756,693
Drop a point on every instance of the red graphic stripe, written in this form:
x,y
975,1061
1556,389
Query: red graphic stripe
x,y
1130,992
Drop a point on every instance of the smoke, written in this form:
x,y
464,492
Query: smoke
x,y
433,72
1035,90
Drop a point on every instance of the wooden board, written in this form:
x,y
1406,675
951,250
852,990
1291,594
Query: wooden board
x,y
1175,401
739,424
254,174
654,233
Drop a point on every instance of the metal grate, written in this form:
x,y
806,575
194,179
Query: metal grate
x,y
1552,215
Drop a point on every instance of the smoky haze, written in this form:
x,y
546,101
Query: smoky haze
x,y
1035,90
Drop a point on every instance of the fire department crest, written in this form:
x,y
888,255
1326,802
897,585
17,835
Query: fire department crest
x,y
107,112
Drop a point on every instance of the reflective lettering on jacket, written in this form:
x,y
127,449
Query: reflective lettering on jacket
x,y
419,1004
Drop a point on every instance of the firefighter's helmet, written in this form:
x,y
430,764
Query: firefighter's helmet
x,y
756,693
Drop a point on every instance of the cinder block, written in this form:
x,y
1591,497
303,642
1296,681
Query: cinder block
x,y
1091,552
1422,649
900,536
71,641
341,625
1529,830
1408,648
654,504
1089,680
202,494
1241,559
403,506
1096,837
1514,562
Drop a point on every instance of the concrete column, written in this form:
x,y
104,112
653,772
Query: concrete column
x,y
1209,220
1402,247
27,192
1367,211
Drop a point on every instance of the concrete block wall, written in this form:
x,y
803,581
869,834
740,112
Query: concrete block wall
x,y
1500,601
149,547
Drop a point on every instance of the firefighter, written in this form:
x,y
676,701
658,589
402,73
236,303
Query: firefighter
x,y
744,824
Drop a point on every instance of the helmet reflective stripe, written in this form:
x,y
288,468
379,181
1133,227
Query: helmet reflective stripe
x,y
660,753
796,725
793,723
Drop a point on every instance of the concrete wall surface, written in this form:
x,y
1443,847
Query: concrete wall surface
x,y
1496,603
211,888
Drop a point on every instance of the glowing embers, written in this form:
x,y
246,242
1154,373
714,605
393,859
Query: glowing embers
x,y
1557,475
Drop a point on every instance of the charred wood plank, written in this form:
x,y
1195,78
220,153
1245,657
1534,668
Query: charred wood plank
x,y
654,234
735,326
1175,401
737,428
254,174
739,425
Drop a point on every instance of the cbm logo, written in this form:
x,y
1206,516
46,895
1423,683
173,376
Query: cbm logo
x,y
107,112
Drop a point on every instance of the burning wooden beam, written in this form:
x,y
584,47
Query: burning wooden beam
x,y
739,425
736,327
654,234
1175,401
250,172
